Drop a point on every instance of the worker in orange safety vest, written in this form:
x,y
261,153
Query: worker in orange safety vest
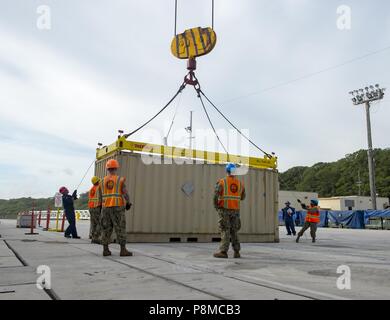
x,y
229,192
115,201
95,209
312,219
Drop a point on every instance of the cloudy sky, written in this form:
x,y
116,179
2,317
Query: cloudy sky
x,y
281,69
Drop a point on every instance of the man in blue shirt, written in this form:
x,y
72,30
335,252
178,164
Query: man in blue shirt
x,y
67,203
288,217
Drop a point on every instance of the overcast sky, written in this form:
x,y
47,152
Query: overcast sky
x,y
106,65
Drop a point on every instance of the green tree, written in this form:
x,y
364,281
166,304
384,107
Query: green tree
x,y
341,177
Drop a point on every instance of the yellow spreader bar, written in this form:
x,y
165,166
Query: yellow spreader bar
x,y
175,152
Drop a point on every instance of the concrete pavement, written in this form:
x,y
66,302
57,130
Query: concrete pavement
x,y
284,270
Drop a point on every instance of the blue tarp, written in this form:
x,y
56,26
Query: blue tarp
x,y
350,219
376,214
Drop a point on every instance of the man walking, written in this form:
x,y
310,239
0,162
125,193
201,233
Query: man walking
x,y
229,192
288,217
312,219
68,205
95,208
114,194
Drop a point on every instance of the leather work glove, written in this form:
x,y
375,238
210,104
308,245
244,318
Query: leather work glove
x,y
128,206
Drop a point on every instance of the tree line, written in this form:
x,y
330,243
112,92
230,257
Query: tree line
x,y
345,177
10,208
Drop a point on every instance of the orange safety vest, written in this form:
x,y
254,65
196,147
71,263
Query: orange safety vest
x,y
313,215
230,196
93,197
112,191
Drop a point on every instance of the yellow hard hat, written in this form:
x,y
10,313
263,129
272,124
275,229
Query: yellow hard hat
x,y
95,180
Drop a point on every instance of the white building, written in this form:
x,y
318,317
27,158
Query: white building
x,y
352,203
293,196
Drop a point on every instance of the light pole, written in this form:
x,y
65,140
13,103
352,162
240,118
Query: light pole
x,y
189,130
367,96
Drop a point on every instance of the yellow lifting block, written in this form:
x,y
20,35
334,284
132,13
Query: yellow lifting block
x,y
193,43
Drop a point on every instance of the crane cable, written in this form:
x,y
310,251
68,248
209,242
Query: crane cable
x,y
174,117
238,130
200,92
212,14
212,17
85,174
158,113
211,124
175,33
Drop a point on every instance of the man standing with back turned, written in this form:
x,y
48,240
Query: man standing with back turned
x,y
95,209
229,192
114,194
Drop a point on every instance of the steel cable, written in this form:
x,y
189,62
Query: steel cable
x,y
174,117
238,130
158,113
211,124
86,172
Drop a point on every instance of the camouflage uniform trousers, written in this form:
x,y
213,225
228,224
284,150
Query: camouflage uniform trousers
x,y
113,218
95,222
313,229
229,225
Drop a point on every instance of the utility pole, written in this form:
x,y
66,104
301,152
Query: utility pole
x,y
359,183
366,97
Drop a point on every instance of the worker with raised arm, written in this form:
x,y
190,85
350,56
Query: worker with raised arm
x,y
312,219
115,201
68,205
229,192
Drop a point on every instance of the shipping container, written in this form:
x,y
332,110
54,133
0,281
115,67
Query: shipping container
x,y
174,202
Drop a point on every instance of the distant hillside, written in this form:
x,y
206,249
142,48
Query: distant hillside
x,y
10,208
340,177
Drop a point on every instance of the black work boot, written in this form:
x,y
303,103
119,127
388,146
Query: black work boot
x,y
222,254
124,252
297,240
237,254
313,240
106,251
